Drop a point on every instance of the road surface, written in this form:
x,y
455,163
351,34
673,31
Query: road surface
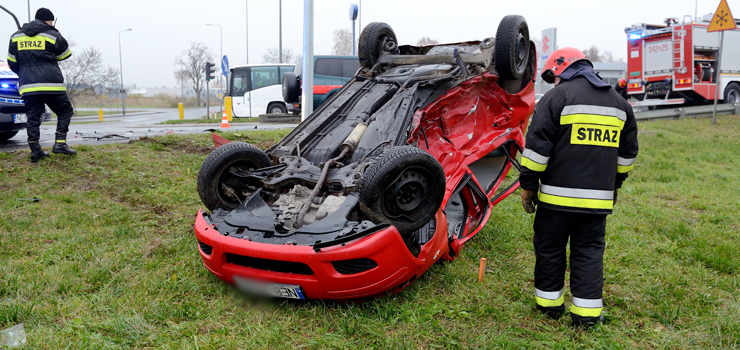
x,y
132,127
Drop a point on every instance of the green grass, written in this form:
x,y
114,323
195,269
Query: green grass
x,y
108,259
95,113
205,120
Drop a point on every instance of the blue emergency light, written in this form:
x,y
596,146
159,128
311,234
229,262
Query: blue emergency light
x,y
635,36
4,86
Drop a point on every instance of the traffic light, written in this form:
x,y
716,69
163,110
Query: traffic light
x,y
210,69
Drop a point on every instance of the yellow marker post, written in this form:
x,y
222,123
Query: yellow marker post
x,y
227,102
100,114
182,113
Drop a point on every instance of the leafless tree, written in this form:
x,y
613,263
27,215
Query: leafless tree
x,y
342,42
193,63
84,70
427,41
594,55
271,56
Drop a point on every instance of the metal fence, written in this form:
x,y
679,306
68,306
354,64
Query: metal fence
x,y
688,112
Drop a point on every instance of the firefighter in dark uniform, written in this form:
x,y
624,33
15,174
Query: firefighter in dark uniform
x,y
34,53
580,146
621,89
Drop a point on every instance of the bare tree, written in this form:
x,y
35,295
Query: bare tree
x,y
84,70
193,63
593,54
427,41
342,42
271,56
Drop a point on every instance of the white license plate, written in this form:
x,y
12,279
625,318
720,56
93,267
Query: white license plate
x,y
267,289
20,118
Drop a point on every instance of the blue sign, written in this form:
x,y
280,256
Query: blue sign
x,y
353,9
225,66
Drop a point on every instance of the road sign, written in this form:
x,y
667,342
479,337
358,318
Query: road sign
x,y
353,9
722,19
225,66
99,89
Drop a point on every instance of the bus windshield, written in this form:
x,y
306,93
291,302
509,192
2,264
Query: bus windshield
x,y
245,79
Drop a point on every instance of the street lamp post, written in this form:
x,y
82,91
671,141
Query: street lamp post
x,y
120,61
220,58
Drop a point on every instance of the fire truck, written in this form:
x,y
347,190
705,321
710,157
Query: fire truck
x,y
676,63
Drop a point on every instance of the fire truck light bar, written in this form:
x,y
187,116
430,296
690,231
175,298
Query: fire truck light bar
x,y
635,36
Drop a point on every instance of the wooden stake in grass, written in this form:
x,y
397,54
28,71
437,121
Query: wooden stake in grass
x,y
481,269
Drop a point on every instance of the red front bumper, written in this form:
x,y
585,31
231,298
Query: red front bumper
x,y
396,265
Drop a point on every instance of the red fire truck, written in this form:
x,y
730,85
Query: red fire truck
x,y
676,63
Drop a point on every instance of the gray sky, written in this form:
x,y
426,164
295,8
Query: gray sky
x,y
163,29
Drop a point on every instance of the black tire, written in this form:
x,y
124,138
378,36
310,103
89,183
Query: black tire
x,y
214,173
404,187
291,89
511,52
375,38
277,108
5,136
732,93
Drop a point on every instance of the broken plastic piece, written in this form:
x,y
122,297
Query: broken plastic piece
x,y
219,141
34,199
13,337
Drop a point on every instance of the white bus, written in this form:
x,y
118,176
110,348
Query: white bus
x,y
257,89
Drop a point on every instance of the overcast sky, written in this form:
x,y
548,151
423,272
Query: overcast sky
x,y
163,29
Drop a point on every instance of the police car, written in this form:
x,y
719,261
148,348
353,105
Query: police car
x,y
12,113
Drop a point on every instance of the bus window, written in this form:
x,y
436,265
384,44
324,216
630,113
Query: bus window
x,y
283,70
264,76
350,67
329,66
239,82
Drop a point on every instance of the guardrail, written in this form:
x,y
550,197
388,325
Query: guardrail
x,y
689,112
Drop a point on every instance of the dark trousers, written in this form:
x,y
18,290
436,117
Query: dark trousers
x,y
58,103
586,232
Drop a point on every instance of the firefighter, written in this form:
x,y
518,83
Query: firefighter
x,y
621,89
34,54
579,148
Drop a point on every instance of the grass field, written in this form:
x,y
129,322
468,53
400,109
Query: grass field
x,y
107,259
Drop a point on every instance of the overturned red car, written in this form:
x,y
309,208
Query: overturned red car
x,y
394,172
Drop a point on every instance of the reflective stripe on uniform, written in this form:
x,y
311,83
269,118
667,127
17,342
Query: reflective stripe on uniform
x,y
64,55
41,87
48,37
576,197
586,307
534,161
624,165
11,58
549,299
586,114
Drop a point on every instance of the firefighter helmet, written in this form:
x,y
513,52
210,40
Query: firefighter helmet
x,y
559,61
622,82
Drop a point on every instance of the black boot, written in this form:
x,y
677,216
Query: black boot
x,y
36,152
61,147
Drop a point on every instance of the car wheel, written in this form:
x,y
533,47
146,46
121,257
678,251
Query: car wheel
x,y
5,136
375,38
217,186
404,187
732,93
511,52
291,89
277,108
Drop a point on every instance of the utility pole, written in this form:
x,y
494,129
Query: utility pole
x,y
307,75
246,5
120,61
280,43
29,11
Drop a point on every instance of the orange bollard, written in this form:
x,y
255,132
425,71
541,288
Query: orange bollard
x,y
482,269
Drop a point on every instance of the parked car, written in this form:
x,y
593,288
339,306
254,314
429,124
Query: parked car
x,y
392,173
329,74
12,112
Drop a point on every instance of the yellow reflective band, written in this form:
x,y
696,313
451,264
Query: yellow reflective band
x,y
591,119
532,165
38,37
61,141
11,59
576,202
595,135
585,312
64,56
43,88
549,303
624,168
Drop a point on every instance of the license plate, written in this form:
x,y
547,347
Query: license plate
x,y
267,289
20,118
